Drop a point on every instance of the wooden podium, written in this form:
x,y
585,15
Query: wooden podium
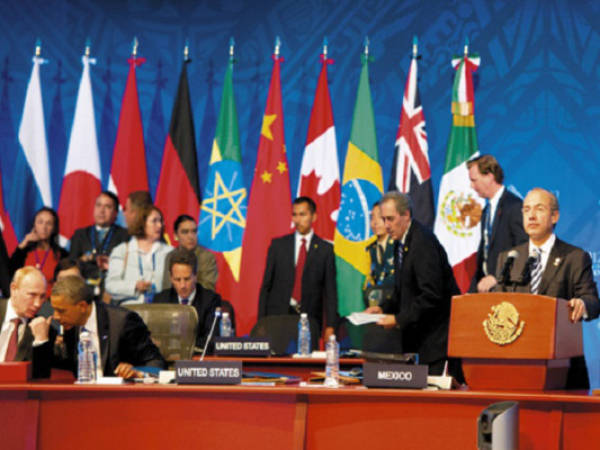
x,y
543,340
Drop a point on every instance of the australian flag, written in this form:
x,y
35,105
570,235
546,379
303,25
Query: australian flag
x,y
411,172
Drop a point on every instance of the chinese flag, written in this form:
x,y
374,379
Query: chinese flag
x,y
269,206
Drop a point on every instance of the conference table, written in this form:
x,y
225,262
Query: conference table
x,y
55,414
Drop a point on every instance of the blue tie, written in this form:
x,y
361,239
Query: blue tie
x,y
399,255
185,301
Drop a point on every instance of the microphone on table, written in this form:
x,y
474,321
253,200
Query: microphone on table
x,y
505,274
212,330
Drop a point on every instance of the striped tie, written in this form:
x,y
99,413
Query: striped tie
x,y
536,271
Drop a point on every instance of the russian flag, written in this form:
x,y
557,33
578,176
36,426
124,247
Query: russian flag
x,y
31,187
81,182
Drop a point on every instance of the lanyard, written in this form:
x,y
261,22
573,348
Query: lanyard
x,y
141,265
39,265
102,246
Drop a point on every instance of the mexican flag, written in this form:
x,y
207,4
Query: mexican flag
x,y
459,207
362,186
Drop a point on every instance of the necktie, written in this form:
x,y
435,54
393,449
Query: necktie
x,y
101,235
399,255
536,271
185,301
297,291
13,341
487,233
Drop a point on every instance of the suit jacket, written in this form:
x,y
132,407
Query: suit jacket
x,y
206,268
205,302
24,348
81,243
4,269
424,285
319,291
507,232
568,274
123,337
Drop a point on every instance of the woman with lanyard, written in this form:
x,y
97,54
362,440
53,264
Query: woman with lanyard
x,y
379,284
135,268
40,247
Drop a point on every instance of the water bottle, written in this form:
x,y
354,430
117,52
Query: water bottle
x,y
332,362
226,330
149,294
303,335
87,357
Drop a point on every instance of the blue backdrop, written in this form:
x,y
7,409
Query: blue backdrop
x,y
537,88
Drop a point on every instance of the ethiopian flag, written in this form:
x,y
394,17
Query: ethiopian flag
x,y
362,185
459,206
223,211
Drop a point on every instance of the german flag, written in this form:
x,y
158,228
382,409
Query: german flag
x,y
178,191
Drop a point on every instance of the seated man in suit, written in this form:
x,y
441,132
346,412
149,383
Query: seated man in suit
x,y
92,245
300,272
424,285
27,294
501,220
185,290
558,270
119,335
4,269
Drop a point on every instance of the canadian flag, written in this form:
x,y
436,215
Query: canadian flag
x,y
320,172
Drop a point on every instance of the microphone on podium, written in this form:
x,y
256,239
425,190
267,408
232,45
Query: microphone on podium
x,y
526,273
505,274
212,330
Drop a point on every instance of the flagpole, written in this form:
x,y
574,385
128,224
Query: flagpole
x,y
134,49
186,51
38,48
87,50
231,48
415,47
277,46
325,43
466,47
367,47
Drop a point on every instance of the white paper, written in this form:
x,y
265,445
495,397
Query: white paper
x,y
364,318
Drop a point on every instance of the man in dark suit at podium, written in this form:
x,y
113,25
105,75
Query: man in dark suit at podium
x,y
424,285
501,220
556,269
300,272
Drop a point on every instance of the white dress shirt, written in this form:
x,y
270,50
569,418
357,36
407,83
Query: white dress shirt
x,y
8,327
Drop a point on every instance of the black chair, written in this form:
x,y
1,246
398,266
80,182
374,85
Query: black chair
x,y
282,331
